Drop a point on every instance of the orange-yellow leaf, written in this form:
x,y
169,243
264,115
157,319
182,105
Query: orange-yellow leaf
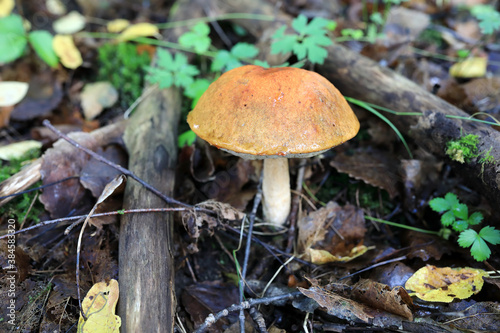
x,y
320,257
469,68
117,25
434,284
99,307
138,30
67,52
6,7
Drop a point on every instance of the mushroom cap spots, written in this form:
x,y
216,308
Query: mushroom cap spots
x,y
257,112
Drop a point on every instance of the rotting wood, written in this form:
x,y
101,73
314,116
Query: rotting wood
x,y
359,77
147,301
146,265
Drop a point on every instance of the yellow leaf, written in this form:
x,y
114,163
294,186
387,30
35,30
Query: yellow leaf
x,y
138,30
469,68
99,308
6,7
320,257
118,25
18,149
69,24
66,51
12,92
434,284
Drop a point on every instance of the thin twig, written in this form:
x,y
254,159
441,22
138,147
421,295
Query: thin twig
x,y
124,171
295,206
382,263
258,198
72,218
212,319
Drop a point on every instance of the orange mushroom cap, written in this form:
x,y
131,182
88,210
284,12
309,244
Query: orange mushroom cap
x,y
257,112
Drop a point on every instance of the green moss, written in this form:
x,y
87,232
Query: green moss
x,y
121,65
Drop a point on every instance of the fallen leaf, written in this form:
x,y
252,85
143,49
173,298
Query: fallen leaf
x,y
338,306
117,25
6,7
320,257
138,30
374,167
434,284
66,51
380,296
12,92
44,95
469,68
97,96
99,307
18,149
69,24
55,7
332,233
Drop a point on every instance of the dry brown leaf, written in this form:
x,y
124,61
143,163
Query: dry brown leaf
x,y
338,306
374,167
96,97
338,231
380,296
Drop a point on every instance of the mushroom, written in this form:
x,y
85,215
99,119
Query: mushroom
x,y
273,114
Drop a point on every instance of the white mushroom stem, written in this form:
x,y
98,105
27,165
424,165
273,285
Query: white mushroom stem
x,y
276,190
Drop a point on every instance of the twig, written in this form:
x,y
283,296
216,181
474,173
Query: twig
x,y
212,319
258,198
295,206
71,218
382,263
124,171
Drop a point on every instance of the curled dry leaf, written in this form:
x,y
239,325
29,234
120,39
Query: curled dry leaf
x,y
61,161
380,296
338,306
374,167
332,233
67,52
194,220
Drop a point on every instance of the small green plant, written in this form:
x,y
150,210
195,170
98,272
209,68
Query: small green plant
x,y
123,66
488,17
227,60
456,215
197,38
14,40
308,42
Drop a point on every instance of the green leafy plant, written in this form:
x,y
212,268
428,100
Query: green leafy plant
x,y
488,17
308,42
231,59
171,70
456,215
14,40
197,38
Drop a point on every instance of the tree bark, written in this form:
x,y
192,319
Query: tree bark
x,y
147,299
361,78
